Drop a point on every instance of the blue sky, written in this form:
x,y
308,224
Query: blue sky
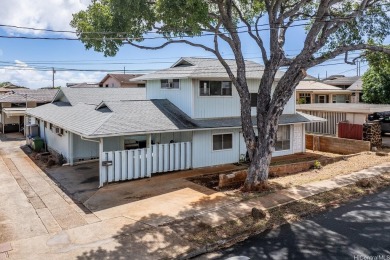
x,y
26,62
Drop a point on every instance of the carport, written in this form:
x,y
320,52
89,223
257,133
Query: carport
x,y
12,119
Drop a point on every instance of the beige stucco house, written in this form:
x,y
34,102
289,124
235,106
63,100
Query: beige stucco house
x,y
121,81
311,92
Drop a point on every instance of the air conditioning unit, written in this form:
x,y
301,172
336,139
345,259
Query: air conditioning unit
x,y
59,131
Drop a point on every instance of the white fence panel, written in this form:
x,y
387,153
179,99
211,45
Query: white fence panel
x,y
133,164
118,165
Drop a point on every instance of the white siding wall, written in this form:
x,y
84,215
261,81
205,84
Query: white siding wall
x,y
182,98
202,149
165,138
56,142
355,118
84,149
227,106
42,130
187,98
113,144
296,142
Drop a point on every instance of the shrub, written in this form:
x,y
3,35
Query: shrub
x,y
317,164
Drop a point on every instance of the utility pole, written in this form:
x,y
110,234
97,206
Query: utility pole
x,y
124,69
358,68
53,75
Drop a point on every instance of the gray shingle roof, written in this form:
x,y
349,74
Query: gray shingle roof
x,y
205,68
132,117
356,86
341,80
33,95
95,96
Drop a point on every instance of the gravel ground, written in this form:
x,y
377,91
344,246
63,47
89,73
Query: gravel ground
x,y
356,163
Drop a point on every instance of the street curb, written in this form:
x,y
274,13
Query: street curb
x,y
241,237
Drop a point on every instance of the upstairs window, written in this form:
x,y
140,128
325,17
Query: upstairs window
x,y
253,99
170,83
215,88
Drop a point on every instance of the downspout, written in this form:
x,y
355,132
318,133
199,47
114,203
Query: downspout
x,y
44,135
101,163
100,142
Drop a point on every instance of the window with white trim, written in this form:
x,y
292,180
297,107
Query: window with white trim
x,y
253,99
215,88
170,83
222,142
282,141
304,98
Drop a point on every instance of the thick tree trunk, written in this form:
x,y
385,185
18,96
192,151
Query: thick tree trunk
x,y
257,177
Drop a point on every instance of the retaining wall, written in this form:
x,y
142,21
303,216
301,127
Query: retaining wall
x,y
336,145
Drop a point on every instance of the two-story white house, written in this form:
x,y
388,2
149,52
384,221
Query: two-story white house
x,y
188,118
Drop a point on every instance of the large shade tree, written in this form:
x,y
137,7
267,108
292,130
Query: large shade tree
x,y
376,81
333,28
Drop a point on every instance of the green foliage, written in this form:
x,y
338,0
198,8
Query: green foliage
x,y
301,101
376,81
317,164
8,84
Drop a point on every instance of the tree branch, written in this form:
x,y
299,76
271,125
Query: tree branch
x,y
343,49
172,42
353,62
256,37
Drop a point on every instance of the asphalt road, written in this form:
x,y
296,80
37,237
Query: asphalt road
x,y
353,231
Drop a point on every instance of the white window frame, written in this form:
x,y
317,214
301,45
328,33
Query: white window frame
x,y
170,81
209,87
221,150
290,133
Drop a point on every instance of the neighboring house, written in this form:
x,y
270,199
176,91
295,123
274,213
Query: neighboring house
x,y
5,90
82,85
187,117
357,91
310,91
354,113
13,106
341,81
121,81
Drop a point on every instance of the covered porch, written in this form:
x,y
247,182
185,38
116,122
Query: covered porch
x,y
139,156
12,119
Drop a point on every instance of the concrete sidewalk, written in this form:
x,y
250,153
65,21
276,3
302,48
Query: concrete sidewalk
x,y
152,228
152,234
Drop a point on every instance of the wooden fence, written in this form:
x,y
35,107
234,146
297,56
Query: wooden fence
x,y
141,163
350,131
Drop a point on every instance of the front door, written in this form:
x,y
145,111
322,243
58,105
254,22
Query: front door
x,y
321,98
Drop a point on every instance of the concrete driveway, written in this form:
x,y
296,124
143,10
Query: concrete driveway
x,y
38,220
81,184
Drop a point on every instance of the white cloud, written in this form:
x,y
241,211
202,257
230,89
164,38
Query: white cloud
x,y
47,14
24,75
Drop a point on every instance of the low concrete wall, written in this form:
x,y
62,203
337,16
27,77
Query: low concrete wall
x,y
336,145
231,179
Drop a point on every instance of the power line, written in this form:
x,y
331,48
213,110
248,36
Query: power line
x,y
347,17
145,61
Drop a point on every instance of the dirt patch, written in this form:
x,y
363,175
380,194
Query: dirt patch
x,y
346,166
239,229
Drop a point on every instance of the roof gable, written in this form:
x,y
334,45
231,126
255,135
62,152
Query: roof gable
x,y
205,68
